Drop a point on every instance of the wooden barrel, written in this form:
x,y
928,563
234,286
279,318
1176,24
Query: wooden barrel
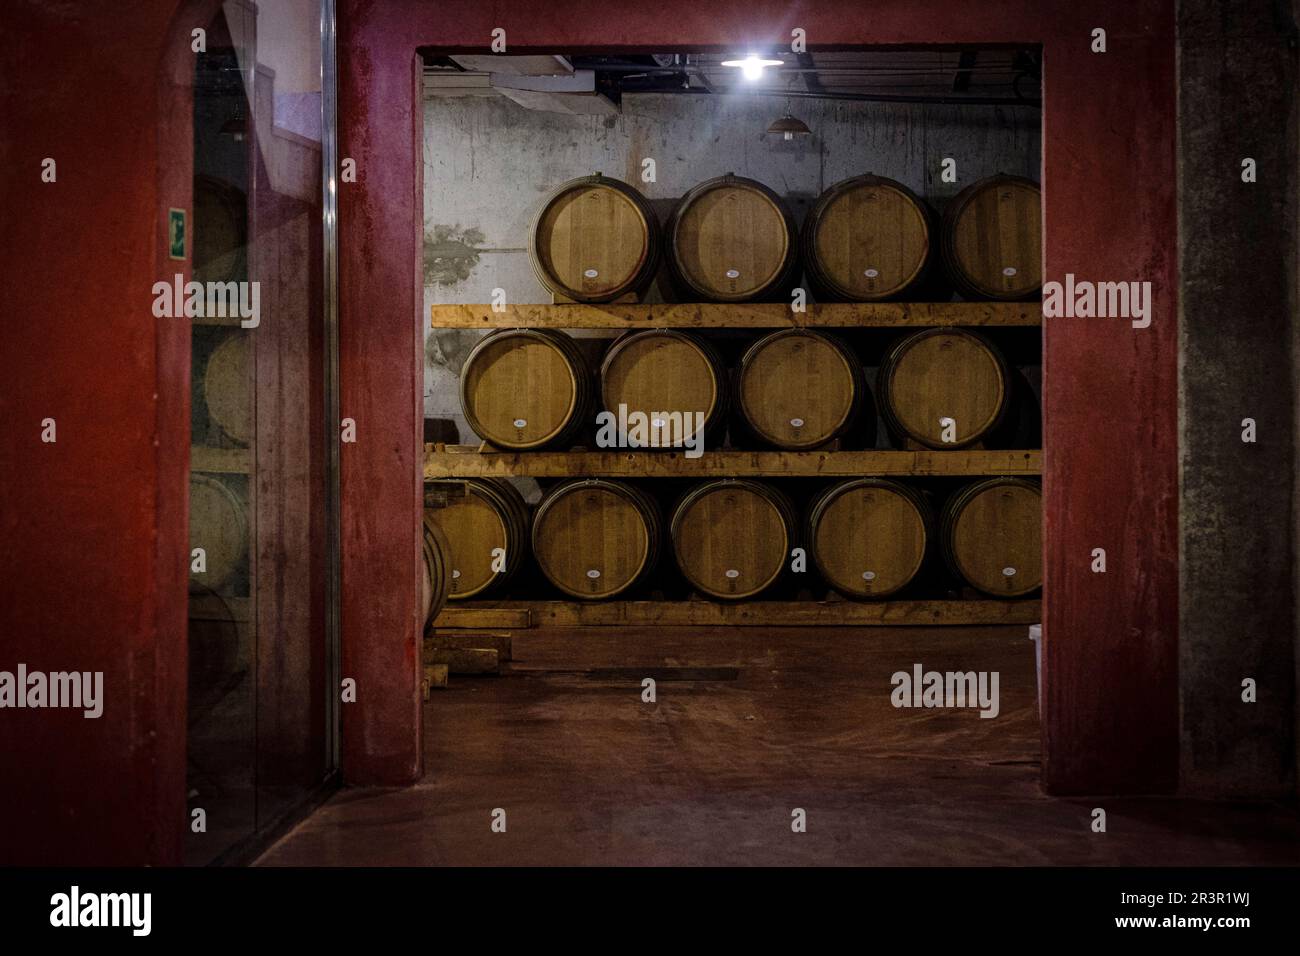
x,y
219,231
664,371
595,538
992,239
992,536
941,382
731,240
523,389
594,240
798,389
228,388
733,537
866,239
490,515
1022,425
435,580
868,536
218,525
217,658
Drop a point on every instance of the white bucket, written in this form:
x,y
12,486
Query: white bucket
x,y
1036,635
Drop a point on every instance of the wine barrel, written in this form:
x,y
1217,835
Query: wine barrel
x,y
868,536
992,239
595,538
731,239
665,371
219,231
798,389
524,389
866,239
218,660
434,582
227,388
732,537
992,536
594,240
490,515
940,376
218,525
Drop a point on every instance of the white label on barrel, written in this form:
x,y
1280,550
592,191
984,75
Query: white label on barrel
x,y
455,574
733,573
593,574
1009,572
520,423
871,273
591,273
733,273
796,422
868,575
1009,271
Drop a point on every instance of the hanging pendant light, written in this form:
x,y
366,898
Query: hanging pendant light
x,y
789,127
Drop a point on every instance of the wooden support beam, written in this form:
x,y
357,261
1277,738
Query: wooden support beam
x,y
465,461
464,660
227,461
443,640
435,675
737,315
455,615
772,613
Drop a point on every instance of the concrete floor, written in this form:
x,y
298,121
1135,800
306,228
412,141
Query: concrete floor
x,y
709,774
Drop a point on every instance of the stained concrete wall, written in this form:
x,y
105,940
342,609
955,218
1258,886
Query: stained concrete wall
x,y
489,165
1238,359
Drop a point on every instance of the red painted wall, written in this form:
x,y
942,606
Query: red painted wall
x,y
1110,406
94,557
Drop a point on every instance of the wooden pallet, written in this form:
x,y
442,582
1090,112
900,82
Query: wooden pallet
x,y
738,315
506,614
468,461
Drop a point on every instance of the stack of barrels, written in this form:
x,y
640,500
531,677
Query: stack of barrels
x,y
793,389
732,239
735,538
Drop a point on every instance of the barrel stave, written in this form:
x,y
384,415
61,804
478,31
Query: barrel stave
x,y
869,537
798,389
595,239
944,388
992,239
731,239
732,537
867,239
526,389
596,538
991,536
666,370
486,528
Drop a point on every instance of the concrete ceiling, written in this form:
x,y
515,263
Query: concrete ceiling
x,y
593,83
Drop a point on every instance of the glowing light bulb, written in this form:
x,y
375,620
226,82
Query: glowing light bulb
x,y
751,67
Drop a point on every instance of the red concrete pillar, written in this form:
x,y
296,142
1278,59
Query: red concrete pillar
x,y
381,345
95,556
1110,717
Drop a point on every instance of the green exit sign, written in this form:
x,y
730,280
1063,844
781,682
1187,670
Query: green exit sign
x,y
176,233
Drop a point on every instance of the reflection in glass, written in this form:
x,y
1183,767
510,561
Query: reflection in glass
x,y
257,728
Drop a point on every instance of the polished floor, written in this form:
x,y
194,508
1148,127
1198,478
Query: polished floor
x,y
749,726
